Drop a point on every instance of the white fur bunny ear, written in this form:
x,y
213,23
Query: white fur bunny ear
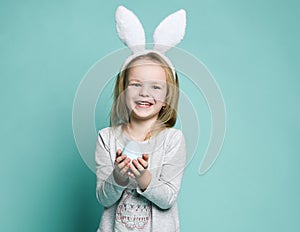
x,y
170,31
130,29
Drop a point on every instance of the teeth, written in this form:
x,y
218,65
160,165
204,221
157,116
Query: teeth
x,y
144,103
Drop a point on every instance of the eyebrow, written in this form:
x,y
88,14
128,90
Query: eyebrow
x,y
158,82
151,82
133,80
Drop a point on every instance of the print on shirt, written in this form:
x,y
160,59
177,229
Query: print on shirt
x,y
134,211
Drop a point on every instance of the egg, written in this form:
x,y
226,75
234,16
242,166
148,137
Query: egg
x,y
133,150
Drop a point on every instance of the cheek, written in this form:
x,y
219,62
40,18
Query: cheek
x,y
161,95
131,93
129,96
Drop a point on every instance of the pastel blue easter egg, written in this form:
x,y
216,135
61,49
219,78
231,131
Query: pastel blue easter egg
x,y
133,150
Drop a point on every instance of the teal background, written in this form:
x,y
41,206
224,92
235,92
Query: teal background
x,y
250,47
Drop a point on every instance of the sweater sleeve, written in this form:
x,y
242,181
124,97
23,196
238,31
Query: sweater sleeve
x,y
108,191
163,191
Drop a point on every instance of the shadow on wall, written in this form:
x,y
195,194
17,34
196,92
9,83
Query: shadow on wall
x,y
88,216
89,210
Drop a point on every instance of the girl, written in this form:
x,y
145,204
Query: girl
x,y
140,194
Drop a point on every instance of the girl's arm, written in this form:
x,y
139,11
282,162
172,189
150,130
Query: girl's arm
x,y
108,191
163,191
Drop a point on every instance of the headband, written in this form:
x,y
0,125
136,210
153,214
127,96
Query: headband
x,y
166,35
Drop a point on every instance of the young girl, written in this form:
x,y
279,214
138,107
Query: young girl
x,y
140,194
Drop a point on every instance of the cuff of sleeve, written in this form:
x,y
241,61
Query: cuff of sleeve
x,y
113,182
149,189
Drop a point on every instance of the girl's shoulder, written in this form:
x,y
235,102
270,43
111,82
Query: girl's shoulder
x,y
105,130
108,131
171,133
170,138
172,130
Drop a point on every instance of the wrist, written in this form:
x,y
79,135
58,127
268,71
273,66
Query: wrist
x,y
144,180
120,179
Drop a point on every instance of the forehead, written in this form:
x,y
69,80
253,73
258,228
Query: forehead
x,y
146,70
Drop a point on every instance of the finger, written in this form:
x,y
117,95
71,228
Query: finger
x,y
124,163
130,174
118,154
121,159
143,162
134,170
124,169
138,166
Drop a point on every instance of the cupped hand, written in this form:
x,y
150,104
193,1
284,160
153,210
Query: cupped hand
x,y
139,171
121,168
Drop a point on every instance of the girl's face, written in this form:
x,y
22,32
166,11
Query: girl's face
x,y
146,91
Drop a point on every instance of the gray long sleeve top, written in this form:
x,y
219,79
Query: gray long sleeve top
x,y
167,161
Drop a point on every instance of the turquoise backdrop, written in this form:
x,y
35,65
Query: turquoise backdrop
x,y
250,47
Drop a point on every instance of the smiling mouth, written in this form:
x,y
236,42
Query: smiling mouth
x,y
143,104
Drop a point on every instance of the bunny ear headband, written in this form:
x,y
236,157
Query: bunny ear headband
x,y
167,34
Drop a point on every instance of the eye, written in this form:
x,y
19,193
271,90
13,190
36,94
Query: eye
x,y
156,87
135,84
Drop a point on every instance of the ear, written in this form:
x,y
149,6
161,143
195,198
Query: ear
x,y
164,105
130,29
170,31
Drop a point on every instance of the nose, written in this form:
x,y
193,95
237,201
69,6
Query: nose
x,y
144,91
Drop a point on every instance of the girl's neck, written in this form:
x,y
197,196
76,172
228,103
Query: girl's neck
x,y
139,130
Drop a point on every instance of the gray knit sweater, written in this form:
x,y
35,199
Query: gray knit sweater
x,y
167,159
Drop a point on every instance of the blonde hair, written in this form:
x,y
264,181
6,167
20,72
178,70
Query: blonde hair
x,y
167,116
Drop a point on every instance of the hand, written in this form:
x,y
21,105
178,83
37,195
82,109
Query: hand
x,y
121,168
140,172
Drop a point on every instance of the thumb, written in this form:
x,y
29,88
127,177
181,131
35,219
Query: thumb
x,y
119,152
146,157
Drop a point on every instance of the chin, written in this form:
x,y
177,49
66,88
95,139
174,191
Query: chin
x,y
137,114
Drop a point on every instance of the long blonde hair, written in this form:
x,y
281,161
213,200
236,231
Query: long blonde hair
x,y
167,116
